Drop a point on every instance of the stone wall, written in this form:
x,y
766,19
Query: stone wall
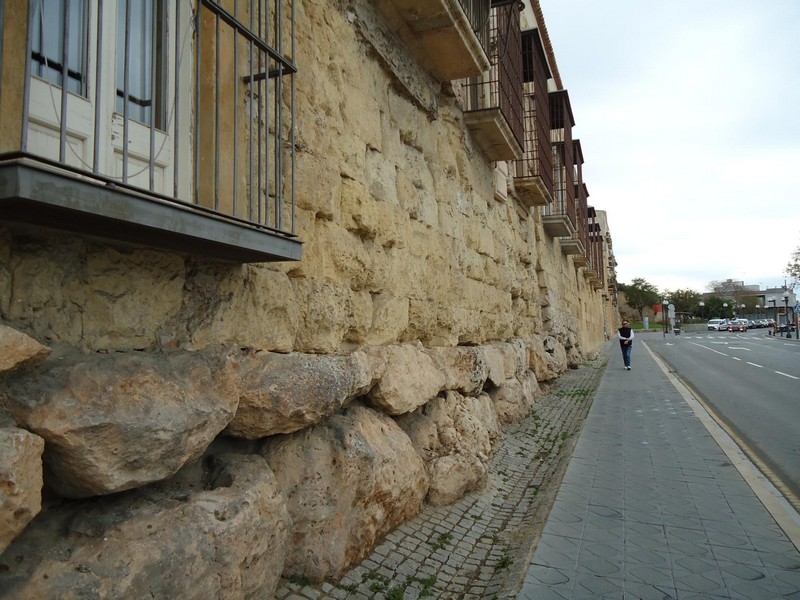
x,y
224,424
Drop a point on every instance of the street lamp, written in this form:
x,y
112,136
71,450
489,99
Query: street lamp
x,y
725,309
702,306
786,314
758,311
775,324
664,314
741,313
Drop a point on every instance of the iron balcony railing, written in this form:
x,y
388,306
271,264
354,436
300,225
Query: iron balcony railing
x,y
501,87
561,123
477,13
190,104
537,160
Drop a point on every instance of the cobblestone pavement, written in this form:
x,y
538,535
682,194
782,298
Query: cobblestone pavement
x,y
479,547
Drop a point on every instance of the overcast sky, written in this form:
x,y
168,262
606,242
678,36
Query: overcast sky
x,y
688,114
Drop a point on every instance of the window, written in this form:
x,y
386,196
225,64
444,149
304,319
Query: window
x,y
141,78
170,123
50,29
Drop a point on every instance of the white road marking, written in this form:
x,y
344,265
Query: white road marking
x,y
787,375
712,350
755,365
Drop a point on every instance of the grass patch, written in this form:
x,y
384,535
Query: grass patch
x,y
441,541
504,562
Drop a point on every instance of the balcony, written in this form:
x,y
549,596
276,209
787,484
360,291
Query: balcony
x,y
581,195
574,246
559,218
493,101
533,173
449,37
151,145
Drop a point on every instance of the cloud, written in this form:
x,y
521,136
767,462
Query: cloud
x,y
688,116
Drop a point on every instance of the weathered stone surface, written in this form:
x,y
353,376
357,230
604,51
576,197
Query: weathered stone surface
x,y
18,350
226,304
92,295
117,421
515,398
410,378
454,435
506,360
20,481
347,482
282,393
547,357
167,541
464,367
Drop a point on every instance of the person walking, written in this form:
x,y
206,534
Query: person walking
x,y
625,335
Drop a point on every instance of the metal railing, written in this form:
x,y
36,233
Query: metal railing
x,y
477,12
563,158
501,87
537,160
198,108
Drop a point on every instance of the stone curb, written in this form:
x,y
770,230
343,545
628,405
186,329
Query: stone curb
x,y
480,546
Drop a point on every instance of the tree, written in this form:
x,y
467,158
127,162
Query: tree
x,y
685,301
793,267
714,308
640,294
727,289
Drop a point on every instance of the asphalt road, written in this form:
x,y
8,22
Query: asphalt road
x,y
752,383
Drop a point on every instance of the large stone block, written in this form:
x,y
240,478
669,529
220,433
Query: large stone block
x,y
282,393
347,482
252,306
454,436
18,350
118,421
410,378
465,367
225,537
20,481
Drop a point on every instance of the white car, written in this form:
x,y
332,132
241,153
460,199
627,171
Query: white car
x,y
718,325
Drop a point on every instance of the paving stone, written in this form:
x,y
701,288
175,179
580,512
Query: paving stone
x,y
636,515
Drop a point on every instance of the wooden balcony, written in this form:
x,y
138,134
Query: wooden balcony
x,y
558,225
532,191
574,246
493,101
493,134
447,36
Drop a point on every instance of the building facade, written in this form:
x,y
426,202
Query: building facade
x,y
257,224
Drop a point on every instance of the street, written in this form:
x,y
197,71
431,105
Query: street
x,y
752,383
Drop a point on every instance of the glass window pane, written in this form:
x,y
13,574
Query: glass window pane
x,y
141,60
47,54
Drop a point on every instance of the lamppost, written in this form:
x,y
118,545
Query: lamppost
x,y
664,314
775,324
725,309
702,306
741,312
758,311
786,314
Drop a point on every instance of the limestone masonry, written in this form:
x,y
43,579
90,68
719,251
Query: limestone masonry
x,y
181,426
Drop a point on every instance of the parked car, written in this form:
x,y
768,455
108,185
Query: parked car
x,y
737,325
714,324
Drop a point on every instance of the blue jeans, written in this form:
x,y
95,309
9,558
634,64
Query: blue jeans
x,y
626,354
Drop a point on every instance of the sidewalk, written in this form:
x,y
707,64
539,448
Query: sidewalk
x,y
651,506
480,546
